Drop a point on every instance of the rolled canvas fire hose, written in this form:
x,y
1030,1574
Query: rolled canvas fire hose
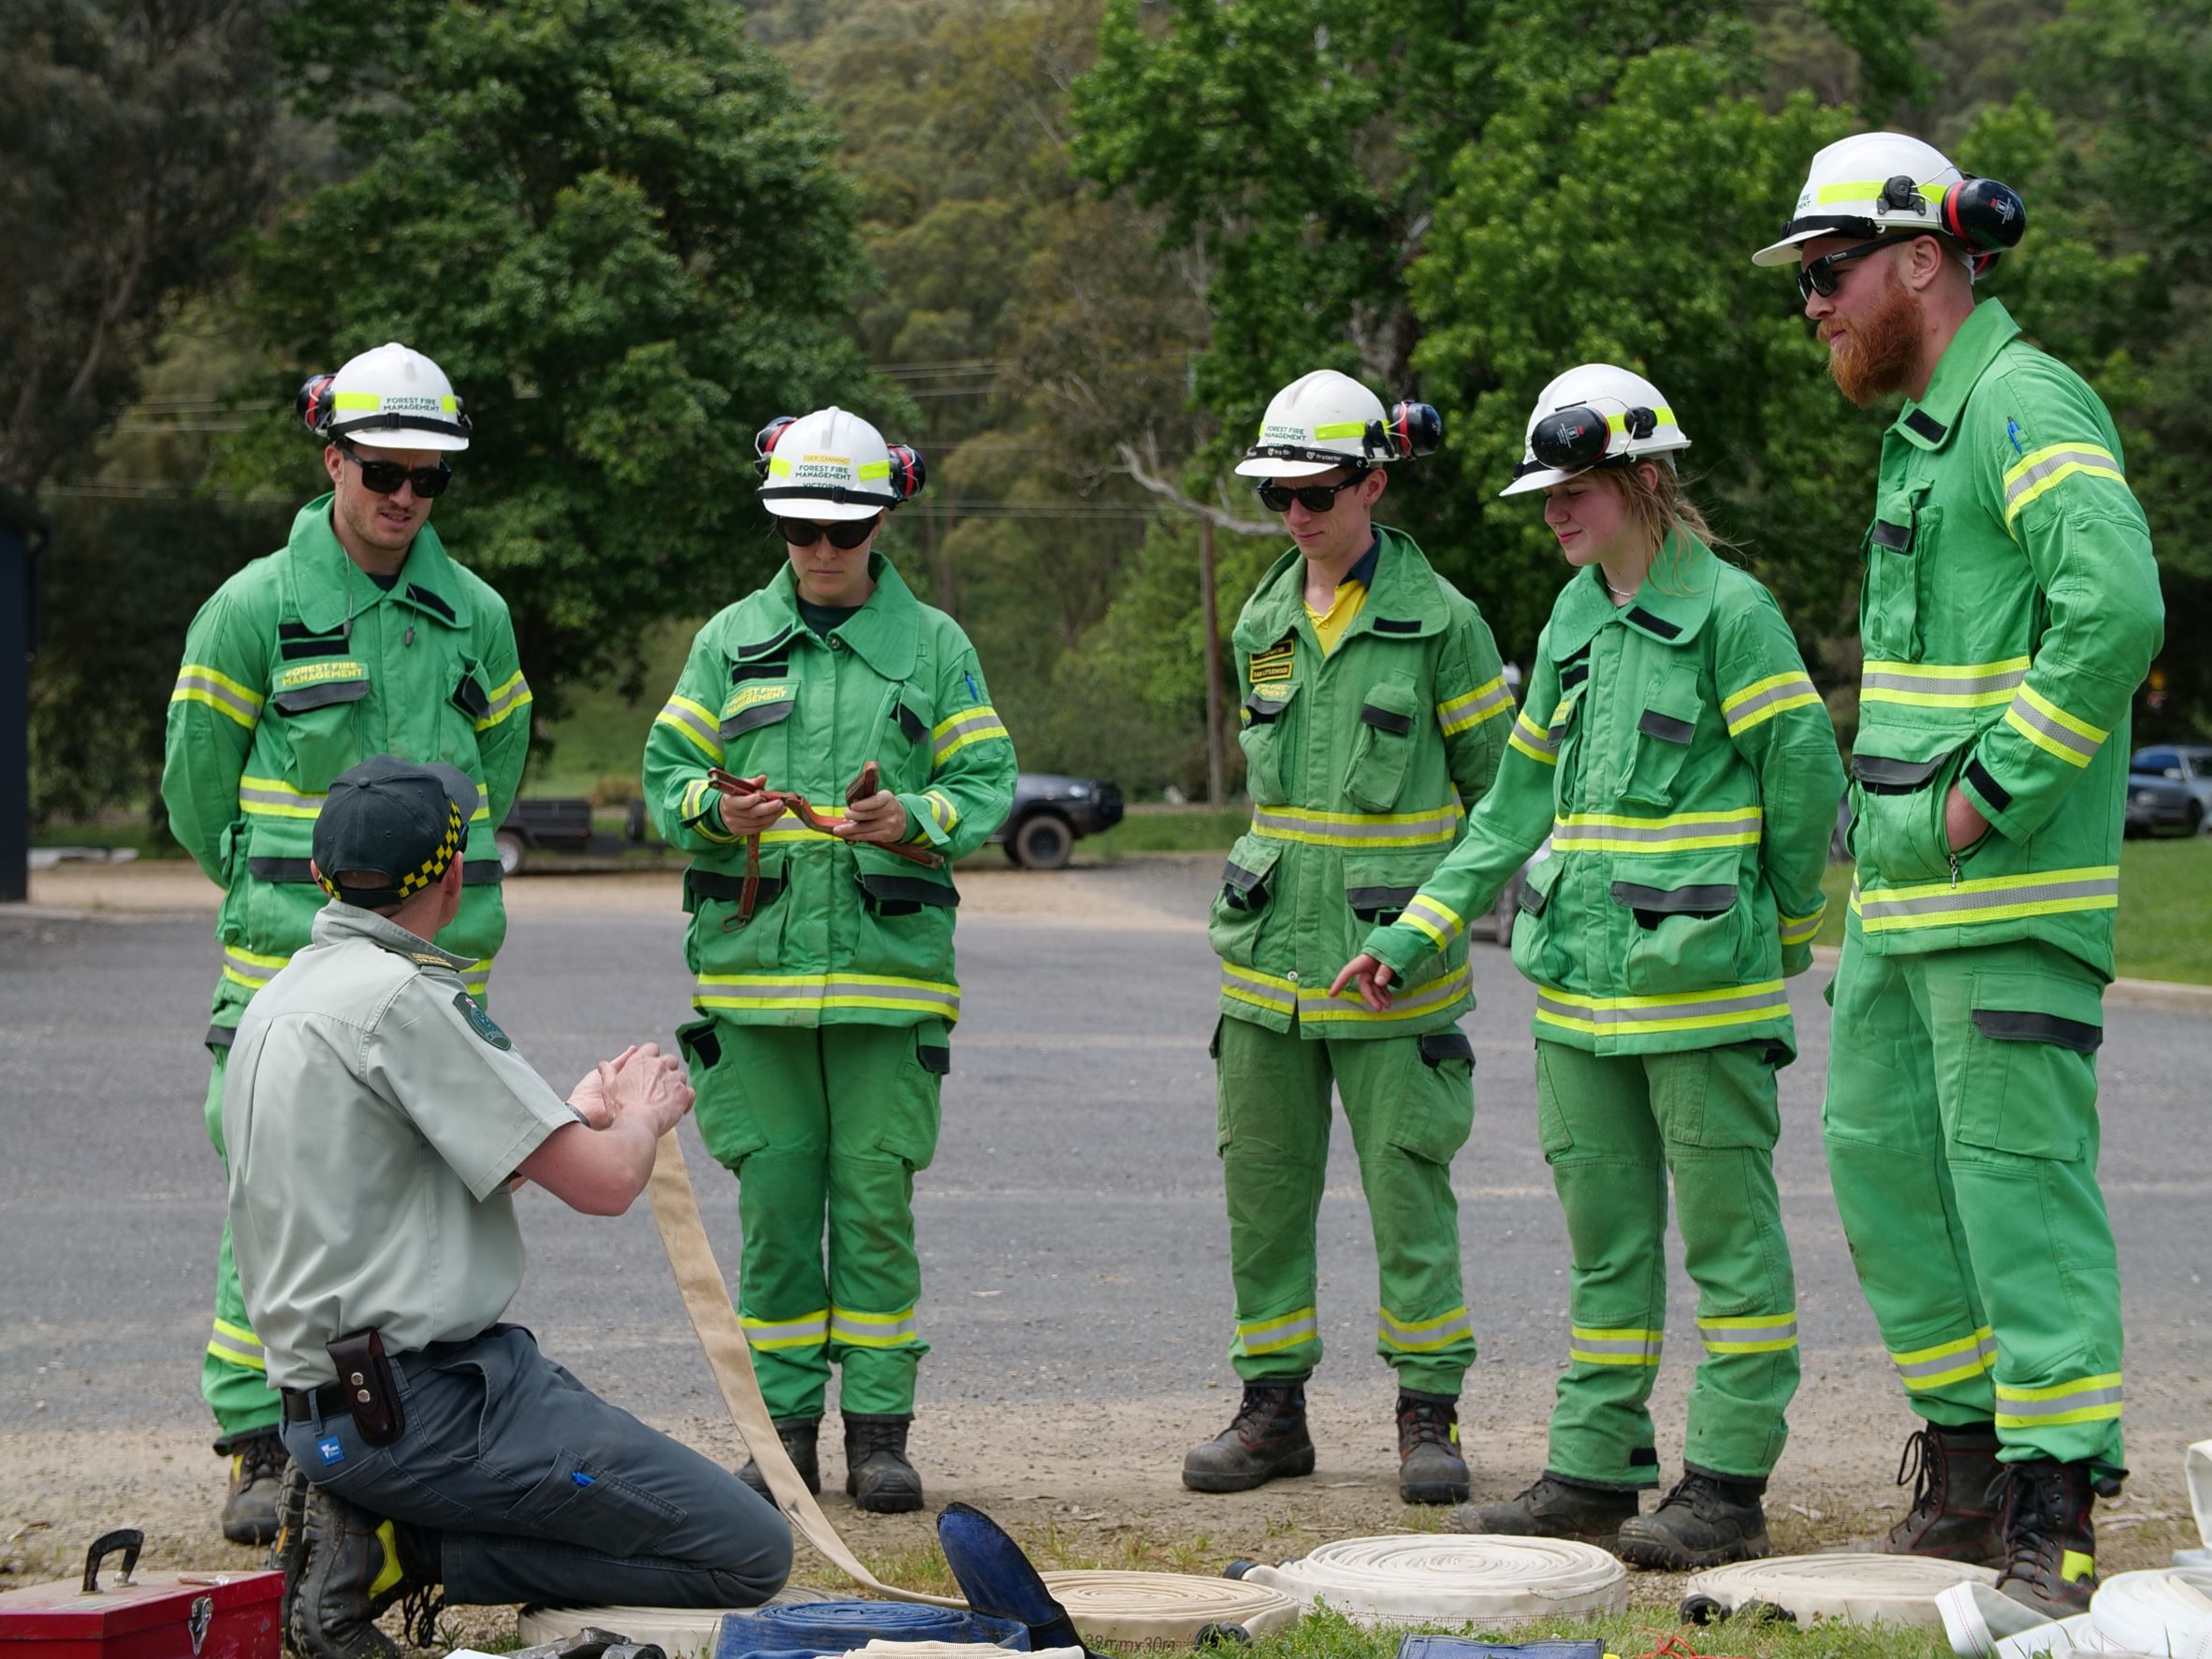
x,y
1167,1609
1893,1590
1452,1579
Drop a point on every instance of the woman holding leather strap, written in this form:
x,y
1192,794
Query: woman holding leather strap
x,y
827,755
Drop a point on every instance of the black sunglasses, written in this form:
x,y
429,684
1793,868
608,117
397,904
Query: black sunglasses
x,y
1313,498
805,532
380,478
1823,275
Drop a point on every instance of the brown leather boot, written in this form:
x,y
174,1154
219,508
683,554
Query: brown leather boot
x,y
1265,1441
257,1465
2050,1539
1957,1490
1431,1469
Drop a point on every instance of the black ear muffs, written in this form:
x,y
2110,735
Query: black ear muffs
x,y
1983,216
763,442
315,404
907,471
1570,440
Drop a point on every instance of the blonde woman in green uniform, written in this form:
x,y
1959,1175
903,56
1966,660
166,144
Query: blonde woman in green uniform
x,y
1679,759
796,929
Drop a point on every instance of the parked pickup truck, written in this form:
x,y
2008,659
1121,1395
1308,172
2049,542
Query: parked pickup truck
x,y
560,824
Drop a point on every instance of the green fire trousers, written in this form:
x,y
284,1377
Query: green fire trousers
x,y
1962,1137
1613,1126
1410,1101
233,1376
824,1123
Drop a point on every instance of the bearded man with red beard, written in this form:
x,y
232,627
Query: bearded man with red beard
x,y
2009,611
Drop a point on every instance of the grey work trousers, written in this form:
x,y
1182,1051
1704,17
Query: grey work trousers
x,y
524,1486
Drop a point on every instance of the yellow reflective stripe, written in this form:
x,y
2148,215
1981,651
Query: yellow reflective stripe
x,y
1992,898
199,683
941,811
1798,930
872,1331
1619,422
1317,1007
971,725
1358,829
1486,702
249,969
1762,700
1682,832
272,797
477,976
1594,1345
357,401
237,1346
2085,1400
696,809
786,992
1533,740
1440,922
2073,1565
513,694
1261,990
788,828
2050,728
808,1331
1423,1336
1271,1336
694,722
1685,1010
778,466
1341,429
1946,1362
1866,190
1941,685
1749,1334
868,470
2047,468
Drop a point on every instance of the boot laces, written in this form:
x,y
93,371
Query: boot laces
x,y
1922,1463
262,1455
868,1438
1422,1422
1259,1416
2034,1521
419,1609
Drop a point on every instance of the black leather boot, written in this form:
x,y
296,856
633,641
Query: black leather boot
x,y
1265,1441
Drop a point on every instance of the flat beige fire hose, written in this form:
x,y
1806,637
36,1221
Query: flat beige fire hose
x,y
1448,1579
1166,1609
1860,1589
706,1300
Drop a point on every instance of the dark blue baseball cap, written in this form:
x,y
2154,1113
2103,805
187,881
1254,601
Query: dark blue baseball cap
x,y
400,823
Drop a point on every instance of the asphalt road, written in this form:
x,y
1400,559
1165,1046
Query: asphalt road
x,y
1072,1230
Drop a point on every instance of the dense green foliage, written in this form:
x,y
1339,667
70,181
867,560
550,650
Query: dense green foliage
x,y
1069,248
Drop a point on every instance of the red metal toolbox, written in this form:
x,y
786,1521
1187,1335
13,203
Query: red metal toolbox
x,y
161,1616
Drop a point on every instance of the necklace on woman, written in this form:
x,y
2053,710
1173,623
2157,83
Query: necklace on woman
x,y
1610,589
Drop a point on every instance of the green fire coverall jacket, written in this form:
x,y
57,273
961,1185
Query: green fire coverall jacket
x,y
2010,609
298,667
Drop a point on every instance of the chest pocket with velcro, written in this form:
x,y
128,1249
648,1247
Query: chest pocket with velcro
x,y
1665,726
1383,750
316,700
1899,544
1267,738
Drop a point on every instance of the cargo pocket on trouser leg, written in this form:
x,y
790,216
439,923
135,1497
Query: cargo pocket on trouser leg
x,y
884,1085
1719,1115
1272,1131
1411,1102
2018,1029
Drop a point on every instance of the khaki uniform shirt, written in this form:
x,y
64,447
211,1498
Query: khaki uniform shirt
x,y
374,1115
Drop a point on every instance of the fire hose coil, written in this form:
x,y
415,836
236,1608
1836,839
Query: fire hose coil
x,y
1452,1579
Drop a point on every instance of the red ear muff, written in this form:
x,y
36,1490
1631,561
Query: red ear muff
x,y
313,403
763,442
909,473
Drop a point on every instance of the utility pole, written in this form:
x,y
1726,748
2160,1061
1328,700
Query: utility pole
x,y
1217,738
23,534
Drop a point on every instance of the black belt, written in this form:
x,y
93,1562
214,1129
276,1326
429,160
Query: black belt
x,y
305,1405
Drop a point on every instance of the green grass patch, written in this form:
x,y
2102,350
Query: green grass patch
x,y
2165,911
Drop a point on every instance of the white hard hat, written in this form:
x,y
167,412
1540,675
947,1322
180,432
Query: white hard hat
x,y
833,465
1325,419
1590,417
393,399
1869,186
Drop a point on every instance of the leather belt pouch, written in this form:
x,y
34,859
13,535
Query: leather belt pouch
x,y
371,1387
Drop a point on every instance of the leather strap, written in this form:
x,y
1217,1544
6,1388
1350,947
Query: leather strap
x,y
714,1317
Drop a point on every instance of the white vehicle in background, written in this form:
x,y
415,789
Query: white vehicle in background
x,y
2189,764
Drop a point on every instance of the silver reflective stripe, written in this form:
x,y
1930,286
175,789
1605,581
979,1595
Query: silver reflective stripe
x,y
1949,1361
1423,1338
1290,822
792,1333
1722,1336
516,689
1746,823
1258,987
1753,1002
1943,902
875,1330
1962,685
1266,1336
2027,714
250,797
1319,1005
2011,1406
1741,712
677,714
982,717
2051,462
246,709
